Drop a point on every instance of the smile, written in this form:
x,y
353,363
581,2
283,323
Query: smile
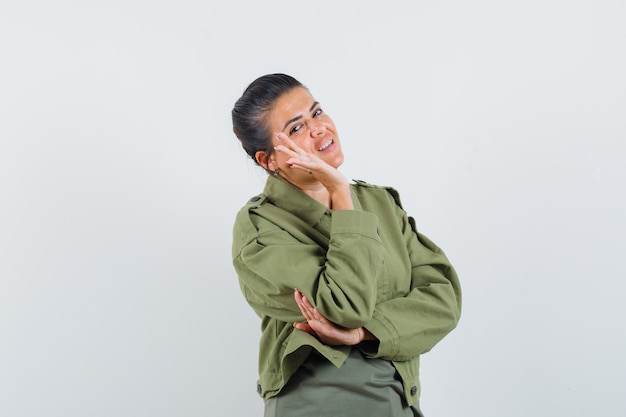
x,y
326,145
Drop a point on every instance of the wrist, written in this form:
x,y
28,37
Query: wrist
x,y
341,199
361,335
366,335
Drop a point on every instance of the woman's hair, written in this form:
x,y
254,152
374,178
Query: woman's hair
x,y
250,111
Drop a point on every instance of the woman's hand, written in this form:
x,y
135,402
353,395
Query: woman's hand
x,y
326,331
334,181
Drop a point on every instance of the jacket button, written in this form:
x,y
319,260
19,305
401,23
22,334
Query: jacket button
x,y
413,390
258,388
255,198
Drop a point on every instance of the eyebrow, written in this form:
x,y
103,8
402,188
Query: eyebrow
x,y
300,116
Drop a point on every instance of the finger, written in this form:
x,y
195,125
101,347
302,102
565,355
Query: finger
x,y
297,155
313,312
301,306
286,140
304,327
318,316
286,150
302,158
300,300
288,144
308,170
285,145
307,313
307,304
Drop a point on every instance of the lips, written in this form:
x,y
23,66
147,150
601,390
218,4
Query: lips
x,y
325,145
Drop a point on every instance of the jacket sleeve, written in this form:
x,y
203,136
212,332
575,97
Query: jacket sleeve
x,y
411,325
272,260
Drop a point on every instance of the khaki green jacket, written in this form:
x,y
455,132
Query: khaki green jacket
x,y
365,267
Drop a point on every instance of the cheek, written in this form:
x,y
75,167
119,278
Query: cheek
x,y
281,159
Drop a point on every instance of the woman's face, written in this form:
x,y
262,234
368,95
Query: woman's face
x,y
299,116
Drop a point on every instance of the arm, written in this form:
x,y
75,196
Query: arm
x,y
326,331
408,326
340,282
403,327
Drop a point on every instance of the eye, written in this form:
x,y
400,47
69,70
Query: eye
x,y
317,112
294,129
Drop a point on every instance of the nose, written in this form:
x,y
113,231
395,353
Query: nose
x,y
317,128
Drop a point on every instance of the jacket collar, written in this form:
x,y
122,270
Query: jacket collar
x,y
288,197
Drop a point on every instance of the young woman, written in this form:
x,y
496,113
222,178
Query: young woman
x,y
349,293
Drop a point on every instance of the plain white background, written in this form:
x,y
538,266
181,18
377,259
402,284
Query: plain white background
x,y
502,124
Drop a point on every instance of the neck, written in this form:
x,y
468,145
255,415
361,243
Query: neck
x,y
319,193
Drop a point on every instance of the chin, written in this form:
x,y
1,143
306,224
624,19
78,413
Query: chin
x,y
337,161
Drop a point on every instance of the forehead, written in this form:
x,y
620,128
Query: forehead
x,y
295,102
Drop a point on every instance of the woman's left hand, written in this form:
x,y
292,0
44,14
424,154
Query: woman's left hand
x,y
329,176
322,328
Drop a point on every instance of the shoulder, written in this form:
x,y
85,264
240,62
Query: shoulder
x,y
245,228
258,215
255,201
367,190
250,205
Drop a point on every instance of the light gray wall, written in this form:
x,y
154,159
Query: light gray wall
x,y
501,123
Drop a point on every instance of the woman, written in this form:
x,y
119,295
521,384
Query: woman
x,y
348,292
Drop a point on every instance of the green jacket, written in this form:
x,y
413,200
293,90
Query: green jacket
x,y
365,267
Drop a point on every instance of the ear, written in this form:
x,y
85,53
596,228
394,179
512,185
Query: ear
x,y
263,160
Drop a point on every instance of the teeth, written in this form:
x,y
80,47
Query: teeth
x,y
326,145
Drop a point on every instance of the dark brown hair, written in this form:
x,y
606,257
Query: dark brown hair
x,y
250,111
